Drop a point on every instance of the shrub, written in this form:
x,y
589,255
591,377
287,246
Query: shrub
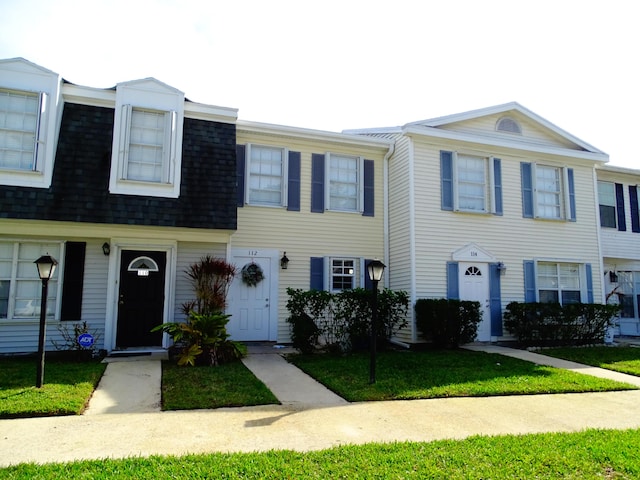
x,y
540,324
343,320
447,322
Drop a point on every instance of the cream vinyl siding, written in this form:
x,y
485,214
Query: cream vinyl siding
x,y
304,234
617,244
532,132
510,237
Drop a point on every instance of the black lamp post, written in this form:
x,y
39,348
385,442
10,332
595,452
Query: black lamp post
x,y
375,269
46,266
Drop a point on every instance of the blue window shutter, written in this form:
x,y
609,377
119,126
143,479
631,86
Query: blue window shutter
x,y
316,281
240,165
369,197
622,221
495,300
73,280
635,213
293,190
572,195
317,183
497,182
589,282
368,284
527,190
529,281
453,290
446,179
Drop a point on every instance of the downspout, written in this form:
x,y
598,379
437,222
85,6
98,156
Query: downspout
x,y
599,237
385,221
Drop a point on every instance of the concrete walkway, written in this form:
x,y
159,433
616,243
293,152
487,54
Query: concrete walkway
x,y
305,421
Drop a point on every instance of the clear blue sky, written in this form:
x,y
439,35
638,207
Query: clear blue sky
x,y
334,65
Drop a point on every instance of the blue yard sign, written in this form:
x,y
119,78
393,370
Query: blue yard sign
x,y
85,340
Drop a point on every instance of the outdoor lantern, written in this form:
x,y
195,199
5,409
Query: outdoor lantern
x,y
46,267
284,261
106,249
375,269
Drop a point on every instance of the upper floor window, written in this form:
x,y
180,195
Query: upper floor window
x,y
266,175
345,182
607,201
548,192
29,95
147,139
559,282
471,183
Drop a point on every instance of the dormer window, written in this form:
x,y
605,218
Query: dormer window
x,y
147,139
29,95
509,125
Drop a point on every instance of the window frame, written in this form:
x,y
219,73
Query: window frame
x,y
284,175
21,76
353,276
359,197
488,185
16,278
580,277
562,193
614,205
152,96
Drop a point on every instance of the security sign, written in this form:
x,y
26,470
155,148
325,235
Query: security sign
x,y
85,340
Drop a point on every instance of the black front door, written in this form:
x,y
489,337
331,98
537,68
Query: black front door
x,y
140,298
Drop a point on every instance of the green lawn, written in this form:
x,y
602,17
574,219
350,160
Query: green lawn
x,y
67,387
620,359
227,385
435,374
592,454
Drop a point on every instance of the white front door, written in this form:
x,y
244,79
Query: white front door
x,y
474,286
250,305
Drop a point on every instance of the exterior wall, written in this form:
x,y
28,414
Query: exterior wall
x,y
303,234
79,191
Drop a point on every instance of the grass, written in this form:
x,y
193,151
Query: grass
x,y
620,359
591,454
227,385
437,374
66,390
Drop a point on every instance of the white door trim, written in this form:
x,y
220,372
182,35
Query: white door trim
x,y
484,328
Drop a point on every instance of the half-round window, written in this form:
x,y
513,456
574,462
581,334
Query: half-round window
x,y
473,272
509,125
143,263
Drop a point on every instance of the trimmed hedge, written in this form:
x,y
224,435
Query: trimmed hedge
x,y
446,322
542,324
342,321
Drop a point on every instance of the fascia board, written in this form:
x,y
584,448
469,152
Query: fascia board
x,y
616,169
309,134
416,131
201,111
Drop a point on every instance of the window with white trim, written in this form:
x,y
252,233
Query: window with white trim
x,y
559,282
19,129
607,202
474,183
549,192
147,140
266,175
629,294
343,274
345,190
20,285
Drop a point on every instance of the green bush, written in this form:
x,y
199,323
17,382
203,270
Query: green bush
x,y
542,324
447,322
343,320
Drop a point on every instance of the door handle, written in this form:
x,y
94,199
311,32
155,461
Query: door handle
x,y
121,301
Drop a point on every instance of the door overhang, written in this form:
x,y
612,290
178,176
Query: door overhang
x,y
473,253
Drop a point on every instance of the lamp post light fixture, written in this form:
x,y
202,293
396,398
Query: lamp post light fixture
x,y
46,266
375,269
284,261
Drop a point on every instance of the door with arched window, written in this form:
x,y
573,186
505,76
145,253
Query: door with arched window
x,y
140,298
474,285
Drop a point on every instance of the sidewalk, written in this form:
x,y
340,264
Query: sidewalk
x,y
302,424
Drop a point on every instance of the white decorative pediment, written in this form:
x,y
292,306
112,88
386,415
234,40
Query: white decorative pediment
x,y
472,253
